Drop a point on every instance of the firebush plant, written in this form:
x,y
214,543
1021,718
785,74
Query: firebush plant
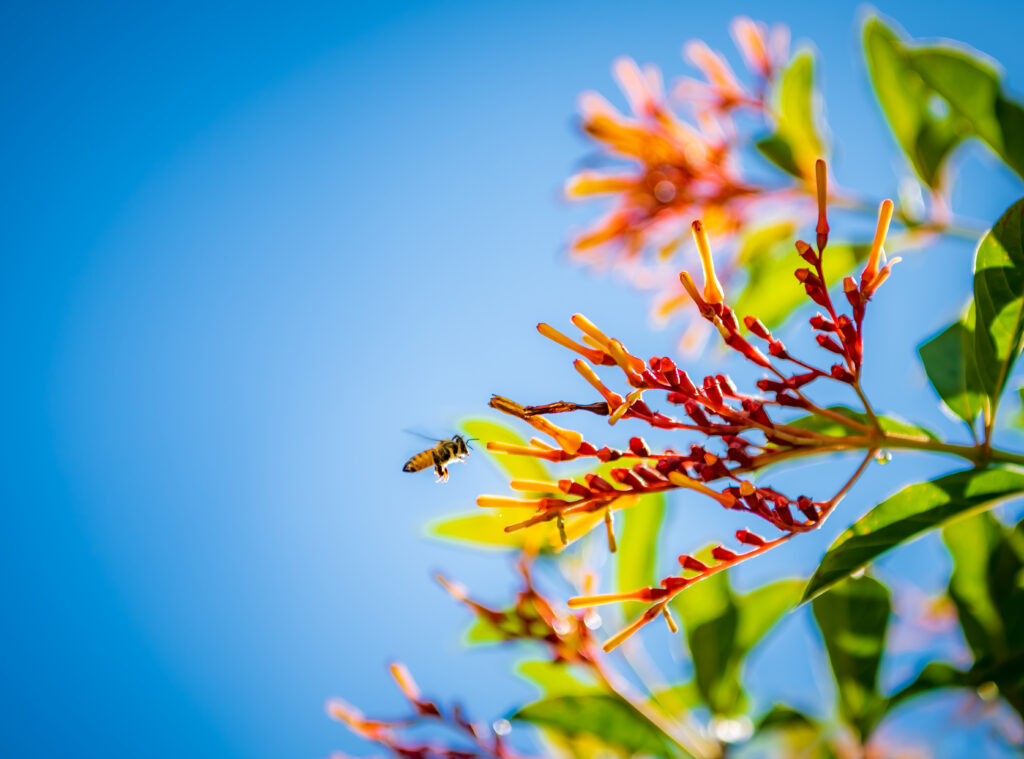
x,y
679,177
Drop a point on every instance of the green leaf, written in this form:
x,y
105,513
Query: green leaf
x,y
987,587
761,609
710,619
796,143
782,717
486,529
482,529
974,92
935,676
914,510
826,426
637,545
947,360
1019,419
516,467
852,618
972,542
926,138
999,302
722,628
483,631
678,699
772,291
557,678
608,718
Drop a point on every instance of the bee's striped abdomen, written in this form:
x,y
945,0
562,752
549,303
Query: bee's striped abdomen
x,y
421,460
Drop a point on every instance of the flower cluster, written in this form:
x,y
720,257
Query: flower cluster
x,y
565,635
743,431
678,167
393,734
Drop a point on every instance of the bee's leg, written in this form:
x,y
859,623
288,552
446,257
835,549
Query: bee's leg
x,y
442,472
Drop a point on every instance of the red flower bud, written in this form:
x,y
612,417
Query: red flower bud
x,y
648,475
748,538
818,321
674,583
784,514
723,554
807,277
598,484
638,446
799,380
755,410
639,408
852,293
694,565
686,385
777,349
841,373
771,386
712,392
829,344
806,505
696,414
627,478
725,385
671,464
574,488
756,327
807,253
784,399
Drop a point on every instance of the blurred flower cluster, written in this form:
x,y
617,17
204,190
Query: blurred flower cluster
x,y
683,154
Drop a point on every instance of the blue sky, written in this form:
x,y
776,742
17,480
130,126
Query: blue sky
x,y
246,245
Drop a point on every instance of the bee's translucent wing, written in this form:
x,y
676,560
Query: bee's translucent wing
x,y
431,438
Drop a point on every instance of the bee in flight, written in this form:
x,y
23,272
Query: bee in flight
x,y
440,456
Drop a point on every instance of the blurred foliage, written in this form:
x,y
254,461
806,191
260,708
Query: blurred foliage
x,y
797,142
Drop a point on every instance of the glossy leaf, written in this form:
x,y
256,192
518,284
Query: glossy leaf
x,y
521,467
827,426
637,545
948,360
974,92
986,586
853,617
914,510
606,717
796,143
927,139
999,302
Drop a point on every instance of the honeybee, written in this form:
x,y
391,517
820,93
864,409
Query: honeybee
x,y
440,456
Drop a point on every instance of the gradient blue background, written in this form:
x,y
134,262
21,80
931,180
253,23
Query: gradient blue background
x,y
244,246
